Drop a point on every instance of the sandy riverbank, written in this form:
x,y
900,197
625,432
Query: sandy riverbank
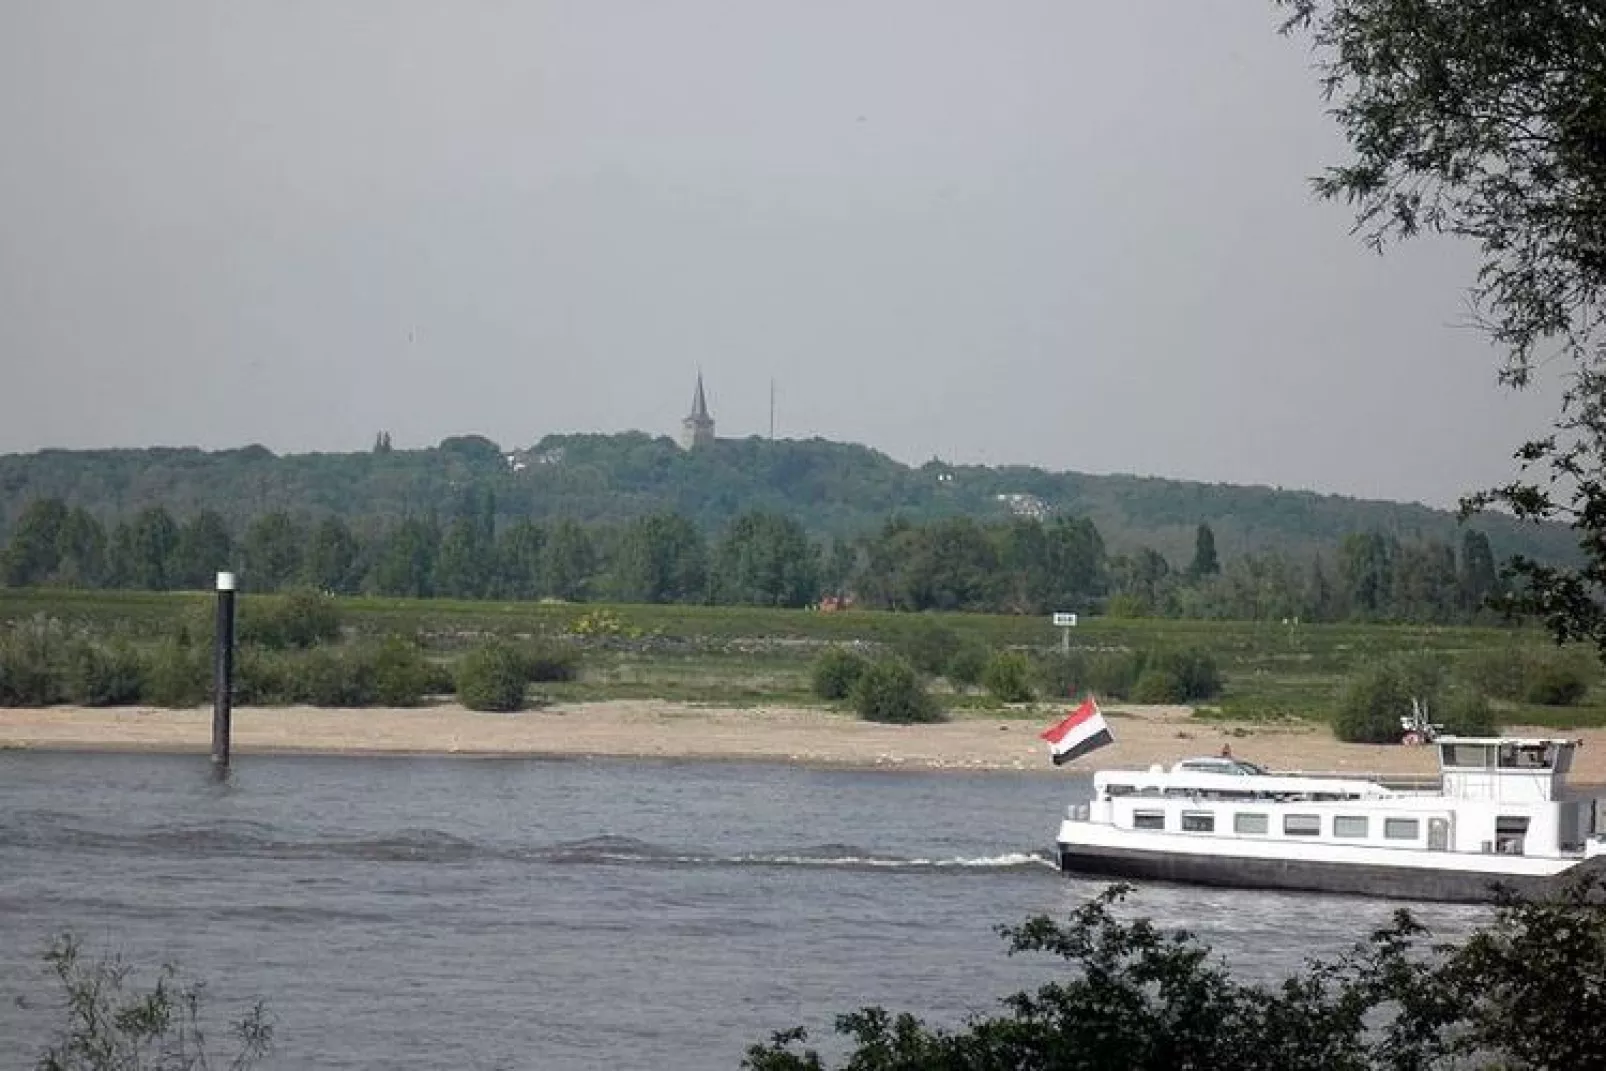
x,y
651,728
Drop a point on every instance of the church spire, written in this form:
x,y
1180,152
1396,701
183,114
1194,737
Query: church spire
x,y
698,428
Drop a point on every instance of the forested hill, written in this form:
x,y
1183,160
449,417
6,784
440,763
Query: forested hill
x,y
835,489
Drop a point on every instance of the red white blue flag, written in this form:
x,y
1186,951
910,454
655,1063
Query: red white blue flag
x,y
1082,731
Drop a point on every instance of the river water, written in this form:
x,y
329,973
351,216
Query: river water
x,y
522,913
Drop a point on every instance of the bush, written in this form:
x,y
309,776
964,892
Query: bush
x,y
299,619
1372,704
1008,677
1465,712
1113,673
1555,681
1061,674
835,672
262,678
1194,671
492,677
889,690
1158,686
928,646
323,677
402,676
546,661
1501,672
31,653
103,676
178,675
968,663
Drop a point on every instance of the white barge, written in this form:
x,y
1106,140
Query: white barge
x,y
1500,813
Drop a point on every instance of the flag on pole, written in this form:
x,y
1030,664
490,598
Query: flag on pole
x,y
1082,731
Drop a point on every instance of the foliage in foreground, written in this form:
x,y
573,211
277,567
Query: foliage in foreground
x,y
112,1025
1527,991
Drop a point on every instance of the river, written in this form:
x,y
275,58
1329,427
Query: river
x,y
525,913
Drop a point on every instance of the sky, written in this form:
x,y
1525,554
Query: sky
x,y
1051,232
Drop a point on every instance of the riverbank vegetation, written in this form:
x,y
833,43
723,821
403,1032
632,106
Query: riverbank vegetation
x,y
100,647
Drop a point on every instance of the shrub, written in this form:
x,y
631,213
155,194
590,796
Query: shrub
x,y
299,619
1158,685
890,690
31,653
1113,673
1194,671
1555,681
402,676
1062,674
438,678
323,677
179,675
1008,677
928,646
491,677
262,678
1500,672
1372,704
1465,712
103,676
835,672
969,662
546,660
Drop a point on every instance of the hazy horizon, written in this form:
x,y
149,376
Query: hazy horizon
x,y
1072,236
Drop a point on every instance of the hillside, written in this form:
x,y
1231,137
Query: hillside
x,y
833,488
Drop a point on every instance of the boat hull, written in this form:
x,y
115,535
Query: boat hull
x,y
1305,875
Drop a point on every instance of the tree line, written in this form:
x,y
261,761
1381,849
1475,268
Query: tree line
x,y
760,558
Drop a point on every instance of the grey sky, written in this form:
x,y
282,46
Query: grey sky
x,y
1068,234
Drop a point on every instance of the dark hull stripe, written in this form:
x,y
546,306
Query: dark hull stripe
x,y
1360,879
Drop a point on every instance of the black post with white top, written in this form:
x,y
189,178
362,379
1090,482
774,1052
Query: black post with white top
x,y
223,674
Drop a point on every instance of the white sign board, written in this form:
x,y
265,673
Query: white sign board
x,y
1065,620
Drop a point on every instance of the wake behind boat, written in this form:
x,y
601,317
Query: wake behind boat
x,y
1500,813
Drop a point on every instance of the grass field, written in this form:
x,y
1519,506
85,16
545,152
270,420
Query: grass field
x,y
742,655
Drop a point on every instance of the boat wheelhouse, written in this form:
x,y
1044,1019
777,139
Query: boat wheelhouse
x,y
1500,812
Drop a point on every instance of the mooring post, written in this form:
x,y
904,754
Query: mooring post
x,y
223,673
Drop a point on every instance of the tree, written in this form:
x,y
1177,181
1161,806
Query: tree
x,y
661,558
466,567
1205,562
406,564
765,559
1487,120
204,548
567,561
1479,580
82,551
518,561
35,548
145,550
330,563
272,551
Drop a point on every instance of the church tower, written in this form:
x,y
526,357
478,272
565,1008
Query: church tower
x,y
698,428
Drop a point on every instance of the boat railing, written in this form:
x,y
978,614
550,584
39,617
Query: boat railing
x,y
1396,782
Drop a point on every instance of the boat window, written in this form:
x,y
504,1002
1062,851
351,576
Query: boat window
x,y
1467,756
1345,825
1302,825
1401,828
1249,822
1527,756
1118,790
1198,822
1148,819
